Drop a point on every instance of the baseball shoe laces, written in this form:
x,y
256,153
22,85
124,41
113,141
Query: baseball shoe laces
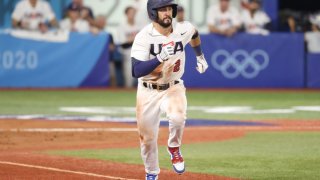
x,y
176,159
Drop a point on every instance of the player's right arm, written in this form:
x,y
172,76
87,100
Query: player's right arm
x,y
141,64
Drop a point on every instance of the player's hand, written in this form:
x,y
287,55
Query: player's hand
x,y
167,52
202,64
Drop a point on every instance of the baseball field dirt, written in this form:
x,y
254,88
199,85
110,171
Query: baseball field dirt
x,y
23,147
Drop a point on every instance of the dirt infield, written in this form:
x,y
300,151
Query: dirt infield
x,y
22,143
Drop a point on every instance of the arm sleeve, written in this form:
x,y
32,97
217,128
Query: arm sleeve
x,y
48,12
191,30
18,12
266,18
140,48
143,68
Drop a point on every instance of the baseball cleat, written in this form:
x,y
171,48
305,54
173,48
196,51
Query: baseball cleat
x,y
176,159
151,176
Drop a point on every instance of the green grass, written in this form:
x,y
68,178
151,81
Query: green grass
x,y
282,155
269,155
49,102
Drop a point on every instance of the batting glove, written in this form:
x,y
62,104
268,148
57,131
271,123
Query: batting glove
x,y
202,64
167,52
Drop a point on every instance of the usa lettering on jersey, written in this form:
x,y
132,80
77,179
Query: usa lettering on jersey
x,y
156,48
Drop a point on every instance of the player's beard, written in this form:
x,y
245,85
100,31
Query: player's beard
x,y
166,22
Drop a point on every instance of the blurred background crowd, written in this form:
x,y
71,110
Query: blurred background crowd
x,y
223,17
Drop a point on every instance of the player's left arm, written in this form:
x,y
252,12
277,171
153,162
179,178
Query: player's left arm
x,y
195,43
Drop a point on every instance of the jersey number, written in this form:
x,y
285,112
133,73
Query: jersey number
x,y
176,67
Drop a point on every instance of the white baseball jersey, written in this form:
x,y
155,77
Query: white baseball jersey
x,y
41,13
148,44
255,24
223,20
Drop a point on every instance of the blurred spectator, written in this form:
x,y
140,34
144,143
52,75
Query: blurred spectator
x,y
313,41
244,4
126,33
313,37
100,24
223,19
294,21
180,14
115,58
73,22
315,22
33,15
86,13
142,18
255,21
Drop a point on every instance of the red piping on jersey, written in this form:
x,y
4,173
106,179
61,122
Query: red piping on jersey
x,y
170,43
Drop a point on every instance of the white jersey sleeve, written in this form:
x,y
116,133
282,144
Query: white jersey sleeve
x,y
140,48
48,11
265,19
18,11
191,31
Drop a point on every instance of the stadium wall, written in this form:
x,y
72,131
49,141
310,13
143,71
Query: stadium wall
x,y
81,60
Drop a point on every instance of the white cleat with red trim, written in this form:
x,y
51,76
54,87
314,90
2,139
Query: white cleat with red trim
x,y
176,159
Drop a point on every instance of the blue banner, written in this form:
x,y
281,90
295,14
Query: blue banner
x,y
80,61
313,70
246,61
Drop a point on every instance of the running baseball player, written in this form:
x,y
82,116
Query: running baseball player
x,y
158,60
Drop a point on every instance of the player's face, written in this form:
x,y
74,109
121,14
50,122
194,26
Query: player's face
x,y
165,16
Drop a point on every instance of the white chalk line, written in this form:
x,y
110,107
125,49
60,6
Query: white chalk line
x,y
261,128
62,170
71,130
44,130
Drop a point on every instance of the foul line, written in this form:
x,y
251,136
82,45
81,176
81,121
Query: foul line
x,y
260,128
71,130
62,170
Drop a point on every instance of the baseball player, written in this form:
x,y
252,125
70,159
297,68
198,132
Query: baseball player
x,y
158,60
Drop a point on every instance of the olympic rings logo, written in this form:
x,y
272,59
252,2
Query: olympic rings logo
x,y
240,62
